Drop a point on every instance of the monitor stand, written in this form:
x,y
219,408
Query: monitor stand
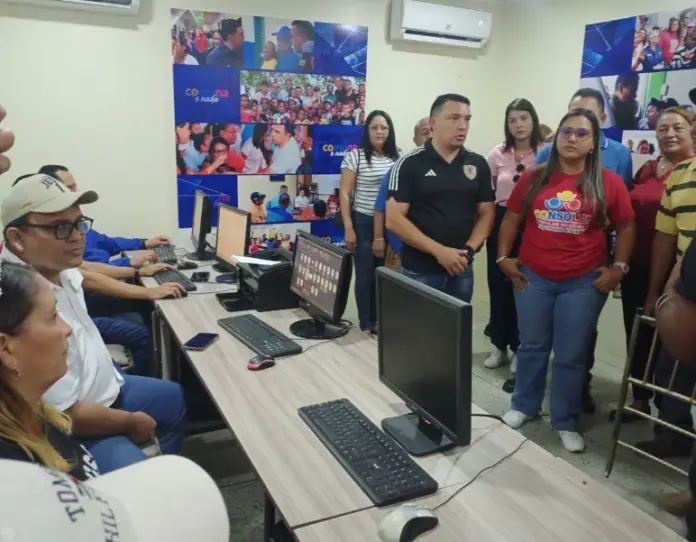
x,y
317,330
415,435
205,256
227,278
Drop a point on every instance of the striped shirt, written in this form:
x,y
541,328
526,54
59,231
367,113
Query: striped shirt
x,y
677,214
369,178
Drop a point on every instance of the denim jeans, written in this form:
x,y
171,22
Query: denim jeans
x,y
160,399
560,316
137,311
461,287
365,266
133,337
503,321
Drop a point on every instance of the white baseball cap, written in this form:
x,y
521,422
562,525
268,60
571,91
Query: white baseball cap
x,y
41,194
167,498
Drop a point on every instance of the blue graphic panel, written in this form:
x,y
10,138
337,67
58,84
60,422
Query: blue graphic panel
x,y
340,49
203,94
331,143
220,188
326,230
608,48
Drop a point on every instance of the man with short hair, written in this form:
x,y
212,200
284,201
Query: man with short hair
x,y
391,253
287,59
303,42
281,212
101,247
286,157
286,92
441,202
112,414
229,54
275,202
263,93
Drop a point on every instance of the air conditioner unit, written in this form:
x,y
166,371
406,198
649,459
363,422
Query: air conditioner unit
x,y
416,21
121,7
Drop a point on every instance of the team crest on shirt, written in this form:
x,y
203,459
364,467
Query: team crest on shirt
x,y
470,172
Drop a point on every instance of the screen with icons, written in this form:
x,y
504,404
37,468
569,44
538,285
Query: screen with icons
x,y
316,274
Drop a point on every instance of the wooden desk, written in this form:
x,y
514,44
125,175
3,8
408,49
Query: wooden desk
x,y
307,484
529,497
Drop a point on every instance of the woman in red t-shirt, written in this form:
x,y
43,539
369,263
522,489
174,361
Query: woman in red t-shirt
x,y
674,140
562,277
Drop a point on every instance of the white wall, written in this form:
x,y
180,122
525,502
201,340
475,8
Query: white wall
x,y
95,92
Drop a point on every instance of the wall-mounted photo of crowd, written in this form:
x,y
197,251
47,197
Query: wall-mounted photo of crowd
x,y
665,41
284,98
205,38
243,149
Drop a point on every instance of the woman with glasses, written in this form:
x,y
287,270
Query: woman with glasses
x,y
508,162
362,172
673,135
216,163
562,277
33,357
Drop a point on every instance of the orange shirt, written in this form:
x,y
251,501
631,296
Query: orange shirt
x,y
258,214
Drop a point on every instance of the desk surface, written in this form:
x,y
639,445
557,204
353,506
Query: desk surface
x,y
299,473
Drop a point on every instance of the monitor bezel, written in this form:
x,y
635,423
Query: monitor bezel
x,y
462,311
344,280
207,211
222,262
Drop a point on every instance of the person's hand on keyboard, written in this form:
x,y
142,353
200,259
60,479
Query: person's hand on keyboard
x,y
143,256
153,269
157,241
163,291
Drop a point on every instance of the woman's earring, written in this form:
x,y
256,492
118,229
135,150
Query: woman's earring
x,y
16,372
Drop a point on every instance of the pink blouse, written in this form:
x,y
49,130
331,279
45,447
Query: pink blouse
x,y
506,171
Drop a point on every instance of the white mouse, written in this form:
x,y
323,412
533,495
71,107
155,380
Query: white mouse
x,y
406,523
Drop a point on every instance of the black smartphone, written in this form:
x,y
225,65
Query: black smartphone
x,y
200,276
201,341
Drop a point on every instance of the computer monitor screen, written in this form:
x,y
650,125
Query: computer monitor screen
x,y
425,352
201,226
321,278
232,234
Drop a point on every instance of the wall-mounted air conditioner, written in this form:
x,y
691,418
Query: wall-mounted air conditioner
x,y
121,7
416,21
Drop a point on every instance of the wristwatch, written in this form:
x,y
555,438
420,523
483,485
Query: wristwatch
x,y
470,253
621,265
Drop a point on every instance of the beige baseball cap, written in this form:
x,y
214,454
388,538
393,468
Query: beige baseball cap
x,y
41,194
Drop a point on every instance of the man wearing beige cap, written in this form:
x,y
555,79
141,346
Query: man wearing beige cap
x,y
112,413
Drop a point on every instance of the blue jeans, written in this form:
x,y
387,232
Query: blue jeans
x,y
133,337
560,316
137,311
160,399
365,266
461,287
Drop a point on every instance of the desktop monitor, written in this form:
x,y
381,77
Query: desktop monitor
x,y
233,231
321,276
201,226
425,358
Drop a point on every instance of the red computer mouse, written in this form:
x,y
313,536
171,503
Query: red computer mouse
x,y
260,362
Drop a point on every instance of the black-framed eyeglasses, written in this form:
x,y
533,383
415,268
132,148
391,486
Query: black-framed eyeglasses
x,y
64,229
520,170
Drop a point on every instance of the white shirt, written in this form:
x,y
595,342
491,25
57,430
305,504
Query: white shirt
x,y
287,159
301,202
91,375
254,160
190,61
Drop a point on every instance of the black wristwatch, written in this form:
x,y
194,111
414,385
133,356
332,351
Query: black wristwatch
x,y
136,276
470,253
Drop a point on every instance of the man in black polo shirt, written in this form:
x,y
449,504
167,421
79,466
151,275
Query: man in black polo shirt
x,y
441,202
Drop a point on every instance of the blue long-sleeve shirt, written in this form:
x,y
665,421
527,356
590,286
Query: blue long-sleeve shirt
x,y
615,157
100,248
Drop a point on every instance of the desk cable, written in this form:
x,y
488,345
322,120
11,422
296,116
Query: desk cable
x,y
347,325
481,472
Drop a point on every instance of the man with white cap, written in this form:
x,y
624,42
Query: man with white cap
x,y
112,413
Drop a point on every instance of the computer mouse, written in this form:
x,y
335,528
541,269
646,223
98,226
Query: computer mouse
x,y
185,266
406,523
260,362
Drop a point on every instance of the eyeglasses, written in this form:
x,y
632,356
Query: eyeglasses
x,y
64,229
579,133
520,170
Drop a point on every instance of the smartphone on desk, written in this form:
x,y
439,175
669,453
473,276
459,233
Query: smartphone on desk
x,y
201,341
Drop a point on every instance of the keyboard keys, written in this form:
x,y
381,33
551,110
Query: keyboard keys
x,y
172,275
165,254
260,336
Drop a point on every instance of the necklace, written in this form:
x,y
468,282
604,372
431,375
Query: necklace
x,y
519,155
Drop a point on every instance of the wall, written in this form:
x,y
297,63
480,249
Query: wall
x,y
94,93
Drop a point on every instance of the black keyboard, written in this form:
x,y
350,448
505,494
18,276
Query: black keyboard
x,y
382,469
172,275
259,336
165,254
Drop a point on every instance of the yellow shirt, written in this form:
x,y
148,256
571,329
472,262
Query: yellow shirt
x,y
269,64
677,214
